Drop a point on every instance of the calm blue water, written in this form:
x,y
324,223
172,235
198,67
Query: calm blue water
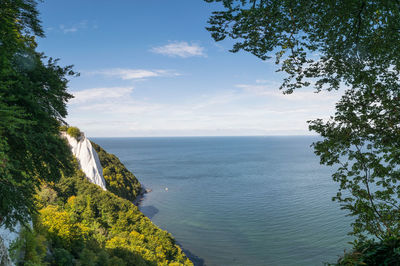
x,y
239,200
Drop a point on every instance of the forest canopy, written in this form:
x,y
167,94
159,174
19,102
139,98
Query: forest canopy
x,y
80,224
33,97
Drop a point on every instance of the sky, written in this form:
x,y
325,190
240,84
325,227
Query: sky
x,y
150,68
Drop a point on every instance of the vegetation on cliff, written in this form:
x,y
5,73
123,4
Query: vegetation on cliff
x,y
74,132
119,180
80,224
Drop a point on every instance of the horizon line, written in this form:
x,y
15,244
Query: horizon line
x,y
209,136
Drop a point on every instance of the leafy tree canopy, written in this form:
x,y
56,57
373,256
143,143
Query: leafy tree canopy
x,y
333,44
327,42
33,100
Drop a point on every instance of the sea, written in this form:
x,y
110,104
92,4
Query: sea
x,y
239,200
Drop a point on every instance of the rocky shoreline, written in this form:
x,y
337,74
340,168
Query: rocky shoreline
x,y
142,194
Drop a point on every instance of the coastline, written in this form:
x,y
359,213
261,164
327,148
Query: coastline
x,y
139,198
197,261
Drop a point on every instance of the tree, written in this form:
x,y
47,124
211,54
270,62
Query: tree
x,y
353,45
33,100
363,139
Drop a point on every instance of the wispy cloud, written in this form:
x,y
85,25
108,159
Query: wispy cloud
x,y
130,74
253,109
100,94
68,30
84,24
180,49
270,89
109,101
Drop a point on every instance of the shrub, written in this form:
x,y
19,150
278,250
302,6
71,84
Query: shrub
x,y
63,128
372,252
74,132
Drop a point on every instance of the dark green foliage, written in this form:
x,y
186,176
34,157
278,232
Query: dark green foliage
x,y
74,132
29,248
371,252
61,257
33,100
331,44
119,180
363,139
322,42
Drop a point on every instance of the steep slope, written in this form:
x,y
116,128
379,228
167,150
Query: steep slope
x,y
119,180
79,223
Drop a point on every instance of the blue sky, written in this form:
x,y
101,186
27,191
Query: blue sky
x,y
150,68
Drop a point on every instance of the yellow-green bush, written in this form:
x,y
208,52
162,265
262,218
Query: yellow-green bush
x,y
74,132
63,128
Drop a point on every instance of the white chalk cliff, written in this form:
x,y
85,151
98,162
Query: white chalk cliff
x,y
88,159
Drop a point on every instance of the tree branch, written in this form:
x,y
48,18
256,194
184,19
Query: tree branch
x,y
366,181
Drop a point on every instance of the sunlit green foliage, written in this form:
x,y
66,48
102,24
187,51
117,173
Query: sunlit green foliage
x,y
63,128
118,179
74,132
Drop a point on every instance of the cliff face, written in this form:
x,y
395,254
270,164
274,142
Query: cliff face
x,y
88,159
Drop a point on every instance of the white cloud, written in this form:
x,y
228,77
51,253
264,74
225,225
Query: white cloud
x,y
100,94
130,74
180,49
